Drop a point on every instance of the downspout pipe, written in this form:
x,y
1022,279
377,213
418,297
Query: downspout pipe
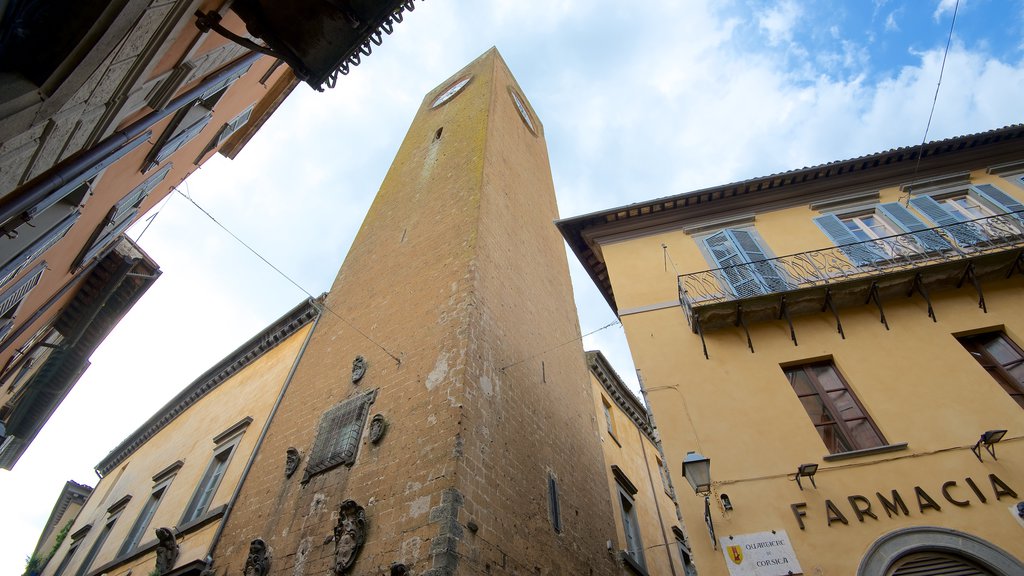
x,y
60,174
263,433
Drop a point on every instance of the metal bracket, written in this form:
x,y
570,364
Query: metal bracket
x,y
784,313
920,289
1017,266
830,305
873,295
740,320
700,332
210,22
969,273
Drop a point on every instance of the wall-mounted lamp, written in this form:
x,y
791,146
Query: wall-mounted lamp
x,y
806,471
988,440
697,471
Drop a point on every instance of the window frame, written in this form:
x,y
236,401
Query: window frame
x,y
327,452
145,516
996,369
101,539
748,265
846,435
225,445
634,550
554,506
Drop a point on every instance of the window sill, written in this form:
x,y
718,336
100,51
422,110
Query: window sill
x,y
865,452
632,566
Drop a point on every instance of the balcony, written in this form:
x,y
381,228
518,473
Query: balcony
x,y
875,271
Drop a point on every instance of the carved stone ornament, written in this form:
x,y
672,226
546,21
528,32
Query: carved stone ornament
x,y
358,369
378,426
166,550
258,562
291,461
349,535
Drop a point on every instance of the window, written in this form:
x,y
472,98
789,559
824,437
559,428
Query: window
x,y
225,132
225,443
67,558
684,552
956,211
11,299
634,547
1002,358
145,517
556,514
337,438
189,122
859,234
101,539
838,416
609,420
744,264
666,483
121,216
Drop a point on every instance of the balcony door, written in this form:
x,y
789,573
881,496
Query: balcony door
x,y
744,264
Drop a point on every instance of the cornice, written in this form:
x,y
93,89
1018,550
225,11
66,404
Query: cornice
x,y
619,392
795,187
246,354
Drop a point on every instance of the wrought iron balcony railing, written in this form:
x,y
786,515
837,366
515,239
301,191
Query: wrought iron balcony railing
x,y
867,260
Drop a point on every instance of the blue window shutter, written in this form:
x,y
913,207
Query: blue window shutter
x,y
135,198
964,234
758,257
735,273
999,198
37,248
859,253
182,138
905,219
12,297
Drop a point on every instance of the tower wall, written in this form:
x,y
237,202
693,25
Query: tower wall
x,y
457,271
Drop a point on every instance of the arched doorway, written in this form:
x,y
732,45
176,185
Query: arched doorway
x,y
930,550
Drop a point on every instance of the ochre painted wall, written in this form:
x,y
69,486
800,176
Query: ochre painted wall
x,y
915,380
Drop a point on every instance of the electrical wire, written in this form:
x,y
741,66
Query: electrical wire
x,y
557,346
288,278
935,99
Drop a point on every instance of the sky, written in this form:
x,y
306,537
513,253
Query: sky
x,y
638,101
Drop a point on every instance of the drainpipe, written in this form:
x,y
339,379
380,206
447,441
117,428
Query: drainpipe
x,y
263,434
69,168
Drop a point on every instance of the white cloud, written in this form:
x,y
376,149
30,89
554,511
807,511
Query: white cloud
x,y
943,7
779,21
890,23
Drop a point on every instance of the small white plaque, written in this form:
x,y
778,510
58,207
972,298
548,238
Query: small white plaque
x,y
760,554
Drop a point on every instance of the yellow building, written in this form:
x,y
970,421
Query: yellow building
x,y
181,470
844,343
650,540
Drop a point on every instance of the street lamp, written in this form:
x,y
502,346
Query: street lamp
x,y
697,471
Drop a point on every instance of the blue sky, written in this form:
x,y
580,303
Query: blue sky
x,y
636,104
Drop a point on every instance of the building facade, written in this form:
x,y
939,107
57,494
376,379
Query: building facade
x,y
105,107
72,497
165,491
647,520
844,344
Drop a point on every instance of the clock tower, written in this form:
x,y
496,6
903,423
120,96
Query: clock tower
x,y
440,421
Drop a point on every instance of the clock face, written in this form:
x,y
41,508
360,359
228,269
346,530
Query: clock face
x,y
451,91
523,112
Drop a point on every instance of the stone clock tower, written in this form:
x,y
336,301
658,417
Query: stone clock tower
x,y
465,443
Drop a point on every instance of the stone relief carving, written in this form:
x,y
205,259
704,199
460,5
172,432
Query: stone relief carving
x,y
258,562
358,369
166,550
291,461
378,426
349,535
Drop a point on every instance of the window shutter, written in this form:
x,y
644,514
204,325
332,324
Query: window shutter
x,y
964,234
182,138
105,239
12,297
738,278
758,257
861,254
905,219
999,198
135,198
37,248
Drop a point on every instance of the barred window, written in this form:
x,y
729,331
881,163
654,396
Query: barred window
x,y
337,438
